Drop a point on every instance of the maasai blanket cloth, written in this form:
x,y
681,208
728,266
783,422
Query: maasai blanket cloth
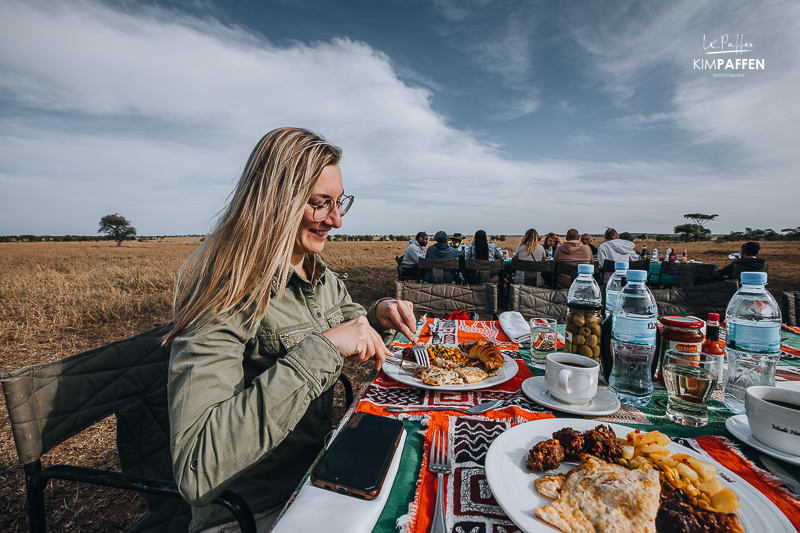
x,y
470,505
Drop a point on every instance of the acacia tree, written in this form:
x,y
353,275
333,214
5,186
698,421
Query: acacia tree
x,y
699,218
116,227
693,231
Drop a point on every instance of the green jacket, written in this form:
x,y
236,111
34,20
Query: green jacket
x,y
250,408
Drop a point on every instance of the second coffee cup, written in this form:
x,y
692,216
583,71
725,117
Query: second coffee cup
x,y
571,378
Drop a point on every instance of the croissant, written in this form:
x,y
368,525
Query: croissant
x,y
487,352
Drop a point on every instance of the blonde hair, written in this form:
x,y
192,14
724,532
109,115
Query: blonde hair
x,y
253,239
531,241
610,234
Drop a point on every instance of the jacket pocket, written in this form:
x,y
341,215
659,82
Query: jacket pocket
x,y
335,317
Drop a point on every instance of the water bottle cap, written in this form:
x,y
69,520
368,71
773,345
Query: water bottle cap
x,y
754,278
637,275
585,269
621,265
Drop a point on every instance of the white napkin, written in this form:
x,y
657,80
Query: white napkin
x,y
516,327
317,509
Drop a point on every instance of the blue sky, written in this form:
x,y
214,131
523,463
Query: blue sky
x,y
453,115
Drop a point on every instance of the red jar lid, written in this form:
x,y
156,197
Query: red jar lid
x,y
681,322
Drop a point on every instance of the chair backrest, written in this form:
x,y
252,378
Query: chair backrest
x,y
738,268
440,300
480,271
437,268
698,300
790,308
569,271
532,269
51,402
538,302
401,274
691,274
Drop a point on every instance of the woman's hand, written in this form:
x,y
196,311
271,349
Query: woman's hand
x,y
358,341
398,315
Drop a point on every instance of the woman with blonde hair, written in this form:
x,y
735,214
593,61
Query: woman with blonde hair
x,y
261,327
529,249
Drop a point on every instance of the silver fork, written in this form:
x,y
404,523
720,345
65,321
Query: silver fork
x,y
439,464
421,355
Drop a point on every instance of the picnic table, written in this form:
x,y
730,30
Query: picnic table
x,y
470,504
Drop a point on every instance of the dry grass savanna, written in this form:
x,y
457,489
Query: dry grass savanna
x,y
57,299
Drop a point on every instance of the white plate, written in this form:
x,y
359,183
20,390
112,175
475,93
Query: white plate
x,y
740,429
513,484
605,403
508,371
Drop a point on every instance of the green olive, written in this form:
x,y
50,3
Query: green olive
x,y
578,339
572,328
596,351
579,320
596,330
585,350
591,341
592,320
585,331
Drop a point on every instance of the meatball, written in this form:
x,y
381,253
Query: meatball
x,y
546,455
602,442
572,442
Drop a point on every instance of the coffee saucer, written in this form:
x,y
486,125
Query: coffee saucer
x,y
740,428
604,403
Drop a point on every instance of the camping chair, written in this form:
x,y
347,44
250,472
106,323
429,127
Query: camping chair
x,y
698,300
437,266
538,302
790,308
441,299
403,274
51,402
609,267
568,269
531,269
479,271
736,271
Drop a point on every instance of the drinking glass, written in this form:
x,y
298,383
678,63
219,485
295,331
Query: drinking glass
x,y
690,378
543,338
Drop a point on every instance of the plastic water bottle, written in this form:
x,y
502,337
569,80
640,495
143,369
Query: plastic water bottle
x,y
633,341
549,254
754,337
583,322
615,284
654,257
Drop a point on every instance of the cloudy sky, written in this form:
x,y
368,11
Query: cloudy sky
x,y
452,114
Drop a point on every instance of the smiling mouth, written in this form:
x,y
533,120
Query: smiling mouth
x,y
319,233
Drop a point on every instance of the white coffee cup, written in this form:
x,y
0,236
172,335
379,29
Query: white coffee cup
x,y
571,378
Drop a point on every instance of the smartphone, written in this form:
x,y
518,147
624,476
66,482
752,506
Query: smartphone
x,y
359,457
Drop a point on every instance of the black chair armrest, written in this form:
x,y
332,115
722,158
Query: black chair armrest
x,y
37,480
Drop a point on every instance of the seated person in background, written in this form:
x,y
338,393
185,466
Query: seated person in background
x,y
529,249
415,250
748,262
587,240
573,252
551,240
442,250
485,251
456,242
616,247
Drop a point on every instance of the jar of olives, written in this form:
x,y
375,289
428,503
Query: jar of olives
x,y
583,331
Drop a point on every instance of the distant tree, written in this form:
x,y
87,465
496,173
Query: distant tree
x,y
692,231
699,218
792,234
116,227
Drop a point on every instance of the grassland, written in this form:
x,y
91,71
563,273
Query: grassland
x,y
57,299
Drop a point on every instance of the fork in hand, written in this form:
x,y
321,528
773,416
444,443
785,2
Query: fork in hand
x,y
439,464
421,355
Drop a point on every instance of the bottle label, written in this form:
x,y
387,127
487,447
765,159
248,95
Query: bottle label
x,y
754,339
634,330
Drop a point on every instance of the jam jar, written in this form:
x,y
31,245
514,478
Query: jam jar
x,y
678,333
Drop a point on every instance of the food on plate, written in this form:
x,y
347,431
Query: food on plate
x,y
436,377
572,442
601,442
675,516
690,497
691,479
602,496
451,366
486,352
546,455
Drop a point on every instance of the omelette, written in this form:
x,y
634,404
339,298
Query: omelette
x,y
599,496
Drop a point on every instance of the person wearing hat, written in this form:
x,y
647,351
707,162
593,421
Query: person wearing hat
x,y
442,250
415,250
455,242
616,247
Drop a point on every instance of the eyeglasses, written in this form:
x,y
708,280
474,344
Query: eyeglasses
x,y
323,209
